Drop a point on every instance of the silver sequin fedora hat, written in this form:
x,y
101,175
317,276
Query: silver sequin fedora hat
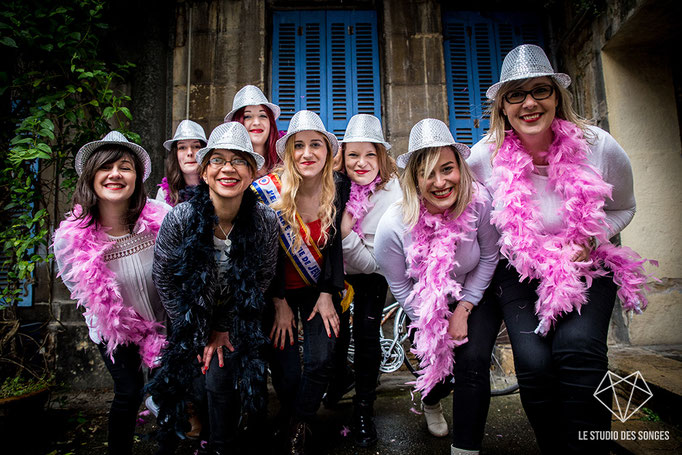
x,y
113,138
230,136
364,128
250,95
187,130
306,121
524,62
430,132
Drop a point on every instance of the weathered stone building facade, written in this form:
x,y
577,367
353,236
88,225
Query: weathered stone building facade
x,y
620,54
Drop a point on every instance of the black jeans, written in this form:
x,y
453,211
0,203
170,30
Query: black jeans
x,y
224,402
558,374
471,388
126,372
299,392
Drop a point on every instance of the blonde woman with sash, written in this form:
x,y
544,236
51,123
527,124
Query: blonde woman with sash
x,y
309,200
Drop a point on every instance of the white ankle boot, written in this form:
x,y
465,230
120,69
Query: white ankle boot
x,y
435,421
455,451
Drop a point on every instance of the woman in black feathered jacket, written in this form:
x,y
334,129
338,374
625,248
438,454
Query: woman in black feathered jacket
x,y
214,260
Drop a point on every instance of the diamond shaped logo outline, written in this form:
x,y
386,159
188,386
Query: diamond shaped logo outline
x,y
623,415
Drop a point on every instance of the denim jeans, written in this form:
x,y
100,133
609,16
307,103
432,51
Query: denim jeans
x,y
559,373
300,392
126,372
471,388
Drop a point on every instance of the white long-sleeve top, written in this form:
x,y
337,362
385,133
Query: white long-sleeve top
x,y
606,155
477,255
358,254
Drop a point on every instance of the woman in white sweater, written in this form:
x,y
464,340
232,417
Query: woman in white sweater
x,y
438,252
374,187
561,189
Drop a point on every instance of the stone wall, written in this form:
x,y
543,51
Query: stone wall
x,y
622,58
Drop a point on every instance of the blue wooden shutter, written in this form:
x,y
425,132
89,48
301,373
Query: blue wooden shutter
x,y
474,47
327,62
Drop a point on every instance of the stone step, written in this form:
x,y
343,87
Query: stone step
x,y
655,427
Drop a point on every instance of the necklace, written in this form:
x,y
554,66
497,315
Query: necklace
x,y
228,242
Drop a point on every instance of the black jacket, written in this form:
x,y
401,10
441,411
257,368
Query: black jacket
x,y
186,273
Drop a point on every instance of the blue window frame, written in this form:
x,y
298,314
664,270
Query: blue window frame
x,y
327,62
474,47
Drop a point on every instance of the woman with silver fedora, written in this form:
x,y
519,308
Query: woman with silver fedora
x,y
214,260
182,169
309,199
561,189
374,187
252,109
438,251
104,250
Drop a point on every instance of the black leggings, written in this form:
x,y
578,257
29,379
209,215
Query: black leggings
x,y
126,372
471,388
559,373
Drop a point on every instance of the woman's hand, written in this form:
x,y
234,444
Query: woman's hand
x,y
347,223
458,327
582,252
284,325
215,344
330,318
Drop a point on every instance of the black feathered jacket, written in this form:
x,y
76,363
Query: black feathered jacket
x,y
186,273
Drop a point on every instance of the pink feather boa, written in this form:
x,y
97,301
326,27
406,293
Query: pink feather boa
x,y
166,191
358,203
546,257
96,288
431,259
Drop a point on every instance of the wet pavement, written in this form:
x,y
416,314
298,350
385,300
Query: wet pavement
x,y
76,423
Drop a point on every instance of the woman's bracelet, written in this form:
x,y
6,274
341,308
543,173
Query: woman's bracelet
x,y
468,310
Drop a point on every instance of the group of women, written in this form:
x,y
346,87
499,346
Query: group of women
x,y
264,237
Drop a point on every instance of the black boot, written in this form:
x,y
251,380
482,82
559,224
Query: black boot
x,y
364,430
298,433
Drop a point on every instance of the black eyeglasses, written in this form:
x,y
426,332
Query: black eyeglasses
x,y
217,162
541,92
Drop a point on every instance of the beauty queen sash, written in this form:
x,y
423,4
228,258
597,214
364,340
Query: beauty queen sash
x,y
307,259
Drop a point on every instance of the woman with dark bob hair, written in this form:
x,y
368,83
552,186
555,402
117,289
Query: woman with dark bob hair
x,y
561,189
182,169
104,251
214,260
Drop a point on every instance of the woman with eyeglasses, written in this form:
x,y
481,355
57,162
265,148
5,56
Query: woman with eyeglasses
x,y
561,190
182,169
309,199
252,109
104,250
214,260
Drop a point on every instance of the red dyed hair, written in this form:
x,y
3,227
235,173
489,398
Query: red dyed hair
x,y
271,157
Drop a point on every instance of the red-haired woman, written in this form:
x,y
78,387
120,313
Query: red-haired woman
x,y
252,109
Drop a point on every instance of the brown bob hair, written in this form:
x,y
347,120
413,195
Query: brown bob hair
x,y
85,195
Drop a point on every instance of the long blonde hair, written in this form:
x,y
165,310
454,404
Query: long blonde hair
x,y
499,123
423,162
291,181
